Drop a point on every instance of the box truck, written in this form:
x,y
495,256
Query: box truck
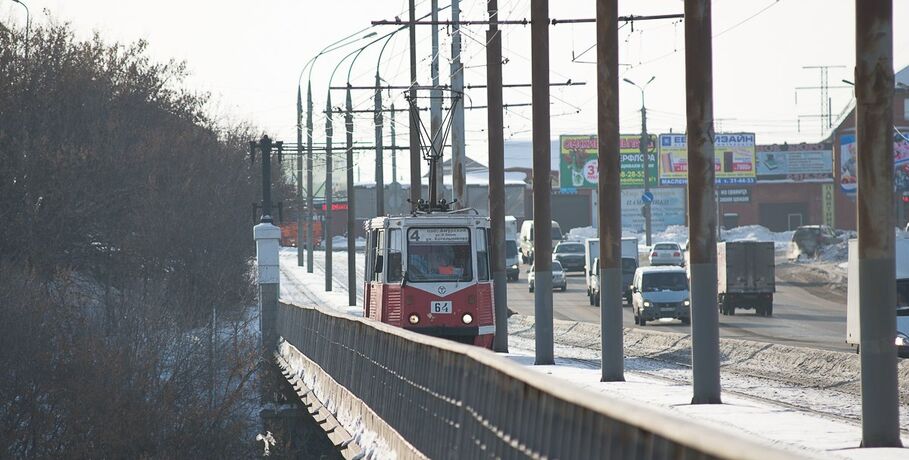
x,y
853,336
591,272
746,276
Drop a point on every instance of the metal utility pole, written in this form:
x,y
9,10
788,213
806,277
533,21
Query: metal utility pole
x,y
705,340
415,187
610,192
877,271
265,147
300,204
351,209
394,147
309,199
458,176
380,156
496,160
542,187
329,164
645,154
435,102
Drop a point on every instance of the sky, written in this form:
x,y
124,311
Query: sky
x,y
249,57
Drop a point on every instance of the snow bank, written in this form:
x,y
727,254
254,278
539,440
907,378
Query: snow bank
x,y
582,233
339,243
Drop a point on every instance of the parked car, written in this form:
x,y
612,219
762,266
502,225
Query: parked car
x,y
666,254
558,277
570,254
512,270
660,292
808,240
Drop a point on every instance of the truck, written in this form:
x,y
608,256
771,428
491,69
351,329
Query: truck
x,y
746,276
853,336
591,273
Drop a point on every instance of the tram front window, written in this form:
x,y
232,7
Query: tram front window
x,y
438,254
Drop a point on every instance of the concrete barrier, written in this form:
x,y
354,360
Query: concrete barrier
x,y
447,400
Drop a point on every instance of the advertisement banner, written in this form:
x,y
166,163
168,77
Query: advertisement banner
x,y
794,163
668,208
578,161
733,155
848,165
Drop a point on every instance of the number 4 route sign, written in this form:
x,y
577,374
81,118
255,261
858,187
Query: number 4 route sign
x,y
647,197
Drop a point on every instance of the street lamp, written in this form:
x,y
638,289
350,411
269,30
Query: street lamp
x,y
309,213
645,153
27,24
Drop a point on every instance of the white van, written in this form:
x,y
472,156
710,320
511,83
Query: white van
x,y
512,270
527,235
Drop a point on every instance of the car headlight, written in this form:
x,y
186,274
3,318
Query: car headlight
x,y
514,266
687,303
902,340
646,303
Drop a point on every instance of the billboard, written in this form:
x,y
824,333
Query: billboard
x,y
578,161
794,163
733,154
668,208
848,165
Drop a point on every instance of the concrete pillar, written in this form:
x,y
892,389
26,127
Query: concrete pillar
x,y
267,238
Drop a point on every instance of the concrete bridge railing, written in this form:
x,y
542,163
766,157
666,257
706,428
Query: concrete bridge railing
x,y
447,400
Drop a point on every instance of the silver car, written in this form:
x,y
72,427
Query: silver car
x,y
666,254
558,277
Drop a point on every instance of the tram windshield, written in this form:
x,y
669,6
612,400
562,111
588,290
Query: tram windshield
x,y
439,254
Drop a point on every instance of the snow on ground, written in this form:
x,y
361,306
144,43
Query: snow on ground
x,y
806,421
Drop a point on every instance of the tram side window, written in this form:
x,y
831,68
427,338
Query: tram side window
x,y
379,259
482,256
395,246
370,254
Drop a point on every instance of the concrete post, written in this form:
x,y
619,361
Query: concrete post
x,y
705,340
458,175
542,187
351,209
309,211
267,238
435,103
610,192
415,187
300,221
496,176
876,247
329,165
380,156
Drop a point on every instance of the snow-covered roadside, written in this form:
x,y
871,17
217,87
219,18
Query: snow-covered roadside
x,y
300,287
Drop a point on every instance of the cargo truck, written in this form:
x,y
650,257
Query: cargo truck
x,y
746,276
902,297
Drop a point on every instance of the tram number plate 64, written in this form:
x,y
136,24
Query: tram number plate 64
x,y
440,308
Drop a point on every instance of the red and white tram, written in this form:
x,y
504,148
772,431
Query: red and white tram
x,y
429,272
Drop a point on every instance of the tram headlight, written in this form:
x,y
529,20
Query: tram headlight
x,y
413,318
467,318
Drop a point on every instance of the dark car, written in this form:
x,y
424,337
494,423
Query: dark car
x,y
808,240
570,254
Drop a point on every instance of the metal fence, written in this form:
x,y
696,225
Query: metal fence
x,y
458,401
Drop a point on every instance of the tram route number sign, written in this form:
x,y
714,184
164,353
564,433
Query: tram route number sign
x,y
442,307
438,235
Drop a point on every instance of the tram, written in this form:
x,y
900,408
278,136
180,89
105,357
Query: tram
x,y
429,272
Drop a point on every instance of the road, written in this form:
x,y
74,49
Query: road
x,y
799,317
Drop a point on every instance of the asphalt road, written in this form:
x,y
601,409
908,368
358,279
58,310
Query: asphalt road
x,y
799,317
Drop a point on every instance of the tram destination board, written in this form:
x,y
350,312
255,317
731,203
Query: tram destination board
x,y
438,235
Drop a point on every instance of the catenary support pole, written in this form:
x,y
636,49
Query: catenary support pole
x,y
610,193
329,165
300,204
394,146
644,148
435,103
874,85
496,161
458,176
310,243
380,155
542,186
415,187
705,345
351,210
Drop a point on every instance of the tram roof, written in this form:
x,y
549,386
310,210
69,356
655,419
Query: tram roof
x,y
437,219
